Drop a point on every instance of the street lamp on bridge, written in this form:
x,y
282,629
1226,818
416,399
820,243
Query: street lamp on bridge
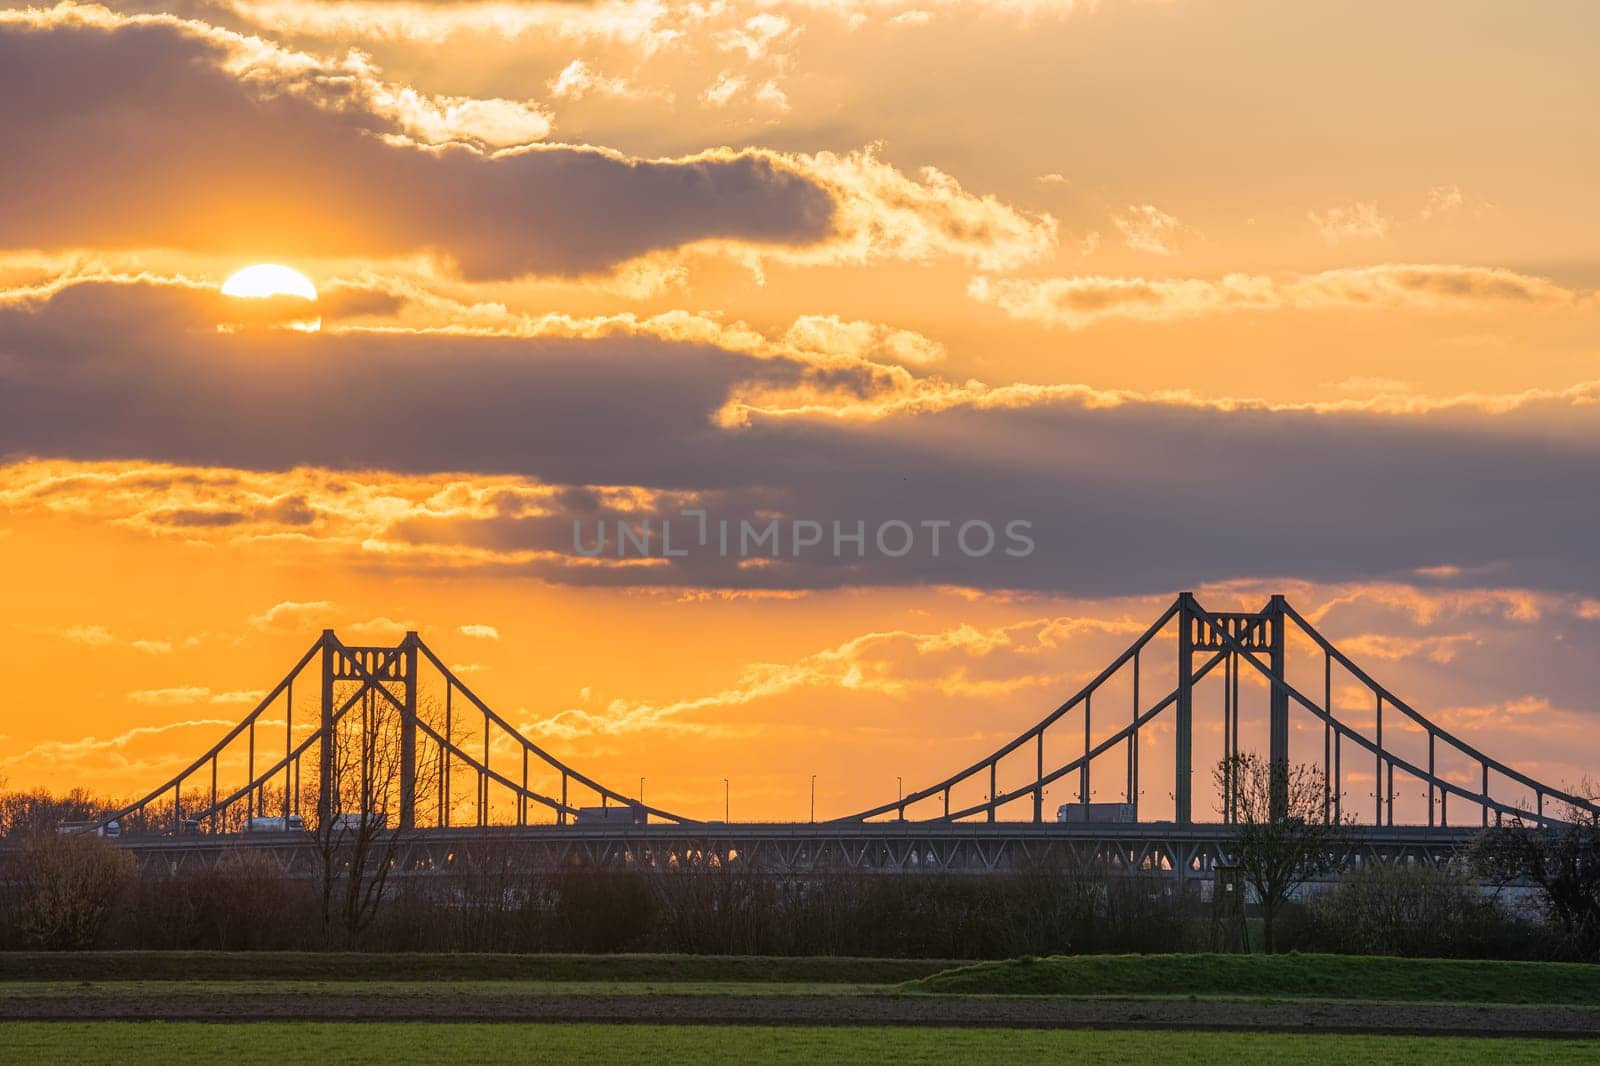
x,y
813,797
727,791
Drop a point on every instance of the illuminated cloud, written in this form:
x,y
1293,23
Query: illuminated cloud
x,y
179,696
1147,228
93,636
53,753
1351,222
963,662
350,85
1078,302
1442,200
829,335
481,632
287,614
645,26
886,214
723,90
757,35
578,80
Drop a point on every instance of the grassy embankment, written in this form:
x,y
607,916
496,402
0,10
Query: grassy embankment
x,y
1275,977
352,966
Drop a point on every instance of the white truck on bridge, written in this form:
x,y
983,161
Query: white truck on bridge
x,y
275,824
110,829
1095,813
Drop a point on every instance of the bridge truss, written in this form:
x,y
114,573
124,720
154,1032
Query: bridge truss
x,y
394,730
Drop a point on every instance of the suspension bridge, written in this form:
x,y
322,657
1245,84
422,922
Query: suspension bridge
x,y
391,734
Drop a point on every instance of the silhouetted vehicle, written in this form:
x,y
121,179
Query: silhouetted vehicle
x,y
351,822
110,829
1095,813
618,814
275,824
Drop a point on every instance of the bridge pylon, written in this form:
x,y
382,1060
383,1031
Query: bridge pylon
x,y
1278,711
1183,724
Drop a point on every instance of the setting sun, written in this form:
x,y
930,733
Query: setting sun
x,y
269,279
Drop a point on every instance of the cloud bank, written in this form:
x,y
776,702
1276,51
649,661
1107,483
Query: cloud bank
x,y
1119,489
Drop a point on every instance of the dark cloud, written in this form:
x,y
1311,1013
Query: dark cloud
x,y
190,518
289,511
1134,497
104,369
135,135
344,300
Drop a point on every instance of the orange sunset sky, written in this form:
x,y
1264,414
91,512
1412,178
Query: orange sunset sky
x,y
1233,296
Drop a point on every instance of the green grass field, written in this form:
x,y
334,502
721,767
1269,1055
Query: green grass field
x,y
389,1044
1277,977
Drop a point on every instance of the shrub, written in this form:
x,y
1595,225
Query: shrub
x,y
1413,910
66,888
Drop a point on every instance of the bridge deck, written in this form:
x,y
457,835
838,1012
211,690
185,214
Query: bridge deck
x,y
1163,848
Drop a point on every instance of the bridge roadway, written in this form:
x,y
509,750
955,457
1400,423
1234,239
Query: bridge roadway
x,y
788,848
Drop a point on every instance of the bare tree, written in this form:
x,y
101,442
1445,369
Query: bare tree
x,y
38,811
1563,860
1276,854
359,836
194,810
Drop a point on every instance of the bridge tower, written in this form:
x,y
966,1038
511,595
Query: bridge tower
x,y
383,673
1254,632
